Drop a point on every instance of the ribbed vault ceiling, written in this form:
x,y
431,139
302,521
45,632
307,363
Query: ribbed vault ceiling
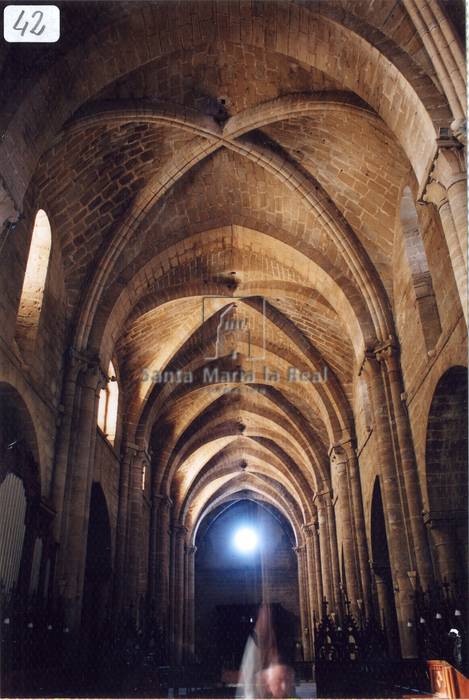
x,y
233,174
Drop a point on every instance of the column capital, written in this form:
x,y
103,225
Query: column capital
x,y
350,449
180,530
449,164
78,359
448,168
370,362
299,549
459,129
144,456
387,350
130,450
378,569
383,353
346,438
310,528
164,501
191,550
338,457
436,194
91,375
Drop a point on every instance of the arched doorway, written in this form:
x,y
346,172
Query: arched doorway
x,y
383,585
235,572
446,460
98,572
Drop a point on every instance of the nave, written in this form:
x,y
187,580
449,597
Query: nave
x,y
233,347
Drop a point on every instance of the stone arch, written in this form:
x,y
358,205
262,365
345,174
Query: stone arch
x,y
17,425
365,291
446,466
230,422
254,578
249,416
242,491
313,49
168,118
301,426
119,309
236,486
259,469
254,444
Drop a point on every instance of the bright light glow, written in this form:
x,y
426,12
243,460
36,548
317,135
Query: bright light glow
x,y
246,540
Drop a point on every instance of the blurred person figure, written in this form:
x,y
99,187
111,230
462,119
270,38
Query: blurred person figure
x,y
266,669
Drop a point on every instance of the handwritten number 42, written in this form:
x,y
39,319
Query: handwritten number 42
x,y
35,30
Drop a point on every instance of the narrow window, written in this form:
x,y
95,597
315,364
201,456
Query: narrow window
x,y
34,282
108,403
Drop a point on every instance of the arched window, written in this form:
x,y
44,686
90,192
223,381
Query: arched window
x,y
108,403
418,263
34,281
447,476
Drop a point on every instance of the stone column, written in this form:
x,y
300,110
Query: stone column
x,y
436,194
385,609
450,171
317,561
75,363
306,631
72,553
388,357
153,553
189,621
328,590
442,46
360,530
339,476
329,551
179,536
312,575
121,534
134,530
163,567
398,536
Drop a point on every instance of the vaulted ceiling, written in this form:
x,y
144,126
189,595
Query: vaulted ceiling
x,y
208,162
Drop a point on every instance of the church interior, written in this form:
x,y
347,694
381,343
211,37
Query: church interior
x,y
233,347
